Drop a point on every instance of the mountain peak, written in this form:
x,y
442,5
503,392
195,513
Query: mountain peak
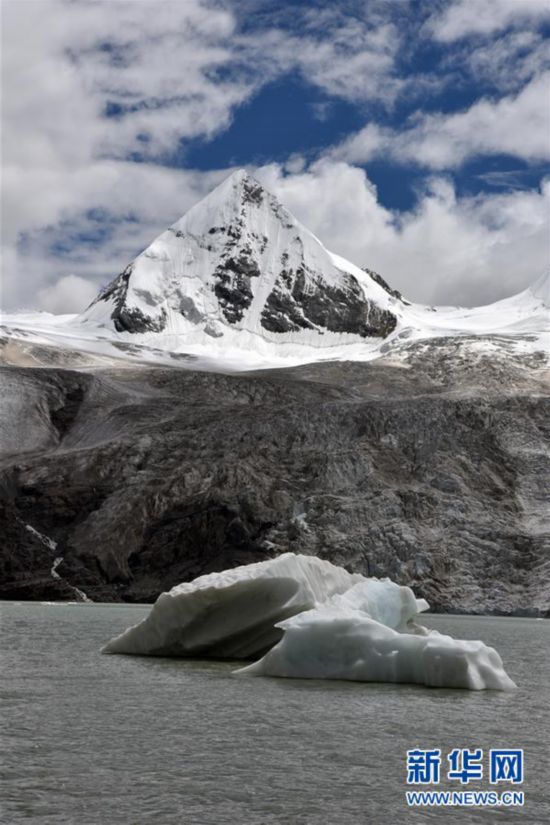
x,y
231,202
238,182
241,176
238,261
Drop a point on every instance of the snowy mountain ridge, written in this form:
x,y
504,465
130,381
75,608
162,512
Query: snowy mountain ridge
x,y
238,260
239,281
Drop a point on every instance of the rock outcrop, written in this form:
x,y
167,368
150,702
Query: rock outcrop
x,y
431,469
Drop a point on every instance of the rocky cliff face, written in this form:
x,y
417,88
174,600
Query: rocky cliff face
x,y
424,459
431,469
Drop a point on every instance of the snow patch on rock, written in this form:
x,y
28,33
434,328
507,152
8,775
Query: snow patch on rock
x,y
46,541
52,545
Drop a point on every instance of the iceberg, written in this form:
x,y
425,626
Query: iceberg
x,y
234,614
309,619
335,643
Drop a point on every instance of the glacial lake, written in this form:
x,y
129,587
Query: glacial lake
x,y
109,740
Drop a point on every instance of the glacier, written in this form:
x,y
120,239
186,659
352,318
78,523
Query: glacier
x,y
307,618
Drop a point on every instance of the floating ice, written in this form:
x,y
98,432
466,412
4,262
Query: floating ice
x,y
385,602
316,621
233,614
337,643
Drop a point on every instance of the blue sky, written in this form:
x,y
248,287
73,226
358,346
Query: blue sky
x,y
412,136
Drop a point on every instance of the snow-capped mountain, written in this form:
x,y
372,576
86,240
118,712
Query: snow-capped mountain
x,y
427,464
238,283
239,260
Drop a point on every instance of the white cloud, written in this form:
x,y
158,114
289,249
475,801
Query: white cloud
x,y
447,250
175,71
62,157
366,144
507,62
355,63
467,17
178,71
518,125
337,202
160,58
351,56
156,60
69,294
140,201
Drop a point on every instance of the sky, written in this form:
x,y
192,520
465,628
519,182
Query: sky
x,y
411,136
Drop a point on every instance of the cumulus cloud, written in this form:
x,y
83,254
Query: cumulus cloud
x,y
517,125
465,17
106,214
163,73
153,66
63,157
97,95
69,294
447,250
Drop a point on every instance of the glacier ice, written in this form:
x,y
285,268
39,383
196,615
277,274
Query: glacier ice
x,y
340,643
233,614
308,618
384,601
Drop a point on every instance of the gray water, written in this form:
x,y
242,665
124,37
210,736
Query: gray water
x,y
96,740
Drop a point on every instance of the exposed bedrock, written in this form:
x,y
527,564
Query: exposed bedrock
x,y
147,477
296,304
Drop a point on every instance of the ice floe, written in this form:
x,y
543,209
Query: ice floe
x,y
233,614
308,618
338,643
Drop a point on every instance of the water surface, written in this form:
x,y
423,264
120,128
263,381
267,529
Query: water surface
x,y
117,740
